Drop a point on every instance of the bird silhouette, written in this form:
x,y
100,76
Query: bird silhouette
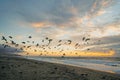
x,y
60,41
46,38
49,41
87,39
58,45
12,42
30,37
37,45
10,37
83,38
28,46
23,42
3,38
69,41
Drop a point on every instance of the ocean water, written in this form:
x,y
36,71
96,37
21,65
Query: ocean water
x,y
112,66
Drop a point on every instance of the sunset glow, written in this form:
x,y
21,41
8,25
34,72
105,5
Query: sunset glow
x,y
61,27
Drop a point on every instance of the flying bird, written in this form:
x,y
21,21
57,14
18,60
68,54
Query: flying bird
x,y
10,37
37,45
13,42
69,41
83,38
23,42
87,39
49,41
46,38
60,41
3,38
28,46
30,37
58,45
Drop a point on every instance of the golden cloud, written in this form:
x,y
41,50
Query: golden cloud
x,y
38,24
100,12
106,3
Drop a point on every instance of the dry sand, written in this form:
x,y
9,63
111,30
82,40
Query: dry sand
x,y
13,68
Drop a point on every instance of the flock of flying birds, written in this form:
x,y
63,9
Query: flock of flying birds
x,y
41,48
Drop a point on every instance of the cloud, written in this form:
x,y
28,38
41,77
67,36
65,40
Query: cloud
x,y
66,17
100,45
39,24
65,13
107,30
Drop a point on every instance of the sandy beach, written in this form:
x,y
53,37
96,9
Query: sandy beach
x,y
15,68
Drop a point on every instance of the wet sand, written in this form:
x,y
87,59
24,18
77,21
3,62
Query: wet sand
x,y
14,68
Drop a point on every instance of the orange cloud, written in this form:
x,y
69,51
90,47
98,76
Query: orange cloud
x,y
106,3
100,12
99,54
39,24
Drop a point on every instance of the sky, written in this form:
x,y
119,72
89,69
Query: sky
x,y
98,20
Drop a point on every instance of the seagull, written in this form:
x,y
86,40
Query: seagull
x,y
60,41
59,45
10,37
37,45
87,39
3,38
63,54
76,44
88,49
49,41
30,37
46,38
13,42
69,41
28,46
23,42
83,38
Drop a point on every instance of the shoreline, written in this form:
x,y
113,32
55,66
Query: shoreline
x,y
48,71
75,65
